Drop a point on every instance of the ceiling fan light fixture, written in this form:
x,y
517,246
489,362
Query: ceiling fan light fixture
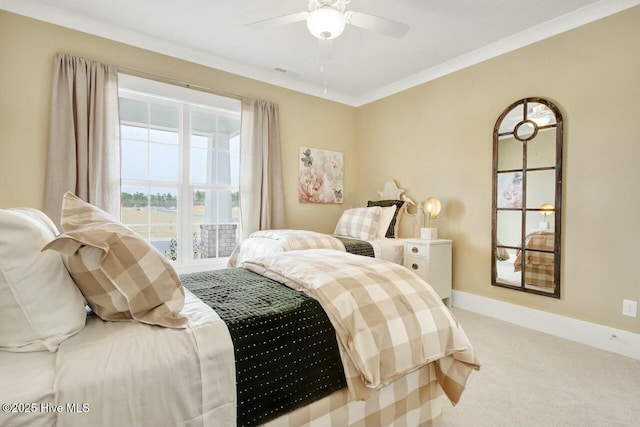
x,y
326,22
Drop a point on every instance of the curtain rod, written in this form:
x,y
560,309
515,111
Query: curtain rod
x,y
165,79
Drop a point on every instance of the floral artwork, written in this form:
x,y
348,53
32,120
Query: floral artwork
x,y
320,176
510,190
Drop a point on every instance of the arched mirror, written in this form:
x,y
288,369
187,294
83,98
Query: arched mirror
x,y
527,197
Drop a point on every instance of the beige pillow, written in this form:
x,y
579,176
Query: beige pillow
x,y
387,214
361,223
394,225
122,276
40,306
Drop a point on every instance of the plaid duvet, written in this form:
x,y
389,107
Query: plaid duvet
x,y
538,265
387,320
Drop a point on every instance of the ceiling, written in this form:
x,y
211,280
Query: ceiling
x,y
445,35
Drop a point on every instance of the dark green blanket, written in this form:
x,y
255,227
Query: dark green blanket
x,y
285,347
356,246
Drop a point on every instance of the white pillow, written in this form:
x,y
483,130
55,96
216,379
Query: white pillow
x,y
40,305
386,216
361,223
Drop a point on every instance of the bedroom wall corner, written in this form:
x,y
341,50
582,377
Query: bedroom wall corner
x,y
436,140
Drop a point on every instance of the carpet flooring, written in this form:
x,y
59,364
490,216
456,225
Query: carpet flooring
x,y
529,378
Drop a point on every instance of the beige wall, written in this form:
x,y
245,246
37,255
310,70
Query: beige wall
x,y
27,48
436,140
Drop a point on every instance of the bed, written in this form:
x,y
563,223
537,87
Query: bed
x,y
206,353
538,265
372,231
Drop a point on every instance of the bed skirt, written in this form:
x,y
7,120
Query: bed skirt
x,y
413,400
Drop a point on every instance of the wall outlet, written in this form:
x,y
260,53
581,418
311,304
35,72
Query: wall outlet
x,y
629,308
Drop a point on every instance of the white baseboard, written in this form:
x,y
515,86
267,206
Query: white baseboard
x,y
603,337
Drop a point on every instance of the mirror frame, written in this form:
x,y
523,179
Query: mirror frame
x,y
558,125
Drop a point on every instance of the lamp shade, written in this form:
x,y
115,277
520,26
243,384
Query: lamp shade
x,y
326,23
546,209
431,207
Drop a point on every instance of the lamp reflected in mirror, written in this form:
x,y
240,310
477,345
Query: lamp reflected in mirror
x,y
545,210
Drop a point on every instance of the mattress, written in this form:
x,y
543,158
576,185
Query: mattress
x,y
126,373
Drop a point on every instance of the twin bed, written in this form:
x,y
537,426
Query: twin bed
x,y
289,338
375,230
538,259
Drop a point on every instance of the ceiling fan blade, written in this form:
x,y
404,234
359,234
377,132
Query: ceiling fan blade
x,y
375,23
278,20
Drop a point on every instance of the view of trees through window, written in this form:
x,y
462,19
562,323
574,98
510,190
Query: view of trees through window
x,y
180,175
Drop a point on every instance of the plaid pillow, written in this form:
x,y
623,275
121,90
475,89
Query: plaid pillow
x,y
392,231
121,275
361,223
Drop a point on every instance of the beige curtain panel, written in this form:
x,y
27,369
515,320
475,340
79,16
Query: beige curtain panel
x,y
261,186
84,135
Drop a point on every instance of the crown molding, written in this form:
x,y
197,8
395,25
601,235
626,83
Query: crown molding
x,y
556,26
57,16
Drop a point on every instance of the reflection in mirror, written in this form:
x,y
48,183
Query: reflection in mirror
x,y
509,153
525,130
541,188
541,151
527,197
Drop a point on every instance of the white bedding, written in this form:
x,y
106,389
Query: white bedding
x,y
257,246
117,374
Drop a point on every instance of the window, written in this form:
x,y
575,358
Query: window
x,y
180,164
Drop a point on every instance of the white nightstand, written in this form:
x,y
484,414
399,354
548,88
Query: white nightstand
x,y
431,260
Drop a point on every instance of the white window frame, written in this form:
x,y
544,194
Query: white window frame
x,y
187,100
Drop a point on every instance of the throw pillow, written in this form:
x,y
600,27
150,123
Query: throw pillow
x,y
122,275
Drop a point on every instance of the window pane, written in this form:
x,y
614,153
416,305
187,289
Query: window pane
x,y
164,162
133,132
164,203
165,239
151,132
199,170
166,116
202,122
168,137
163,220
224,167
134,159
134,205
199,141
135,111
223,141
235,160
228,126
216,221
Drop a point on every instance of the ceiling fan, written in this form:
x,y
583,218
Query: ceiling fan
x,y
326,20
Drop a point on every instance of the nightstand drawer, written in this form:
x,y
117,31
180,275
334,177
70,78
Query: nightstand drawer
x,y
416,264
417,249
431,261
